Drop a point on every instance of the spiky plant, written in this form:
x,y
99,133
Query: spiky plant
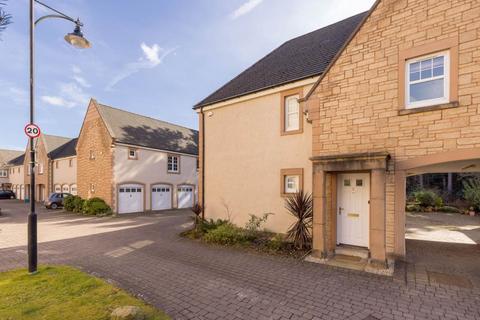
x,y
300,205
5,18
197,210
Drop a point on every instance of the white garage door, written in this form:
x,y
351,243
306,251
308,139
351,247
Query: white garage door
x,y
130,198
161,197
185,196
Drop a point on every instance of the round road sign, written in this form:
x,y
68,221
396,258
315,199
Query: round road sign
x,y
32,130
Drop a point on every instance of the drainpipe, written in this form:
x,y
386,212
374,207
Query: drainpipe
x,y
202,167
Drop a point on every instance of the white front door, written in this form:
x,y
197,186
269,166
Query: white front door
x,y
161,197
185,196
130,198
353,209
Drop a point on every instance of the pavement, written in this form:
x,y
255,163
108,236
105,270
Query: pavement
x,y
144,255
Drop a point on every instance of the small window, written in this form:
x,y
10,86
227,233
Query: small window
x,y
3,173
122,189
359,182
92,155
132,154
292,184
427,80
173,164
40,168
92,187
292,113
56,164
70,163
346,183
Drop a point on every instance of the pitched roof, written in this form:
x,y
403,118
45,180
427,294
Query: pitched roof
x,y
53,142
65,150
134,129
17,161
7,155
302,57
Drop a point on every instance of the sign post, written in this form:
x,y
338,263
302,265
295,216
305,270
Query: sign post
x,y
32,131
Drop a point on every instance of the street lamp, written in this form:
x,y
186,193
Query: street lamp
x,y
76,39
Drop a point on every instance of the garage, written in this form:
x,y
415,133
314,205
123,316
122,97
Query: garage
x,y
161,197
130,198
185,196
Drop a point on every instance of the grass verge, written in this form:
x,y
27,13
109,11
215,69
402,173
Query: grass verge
x,y
61,292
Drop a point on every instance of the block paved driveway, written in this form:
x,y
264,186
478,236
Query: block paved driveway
x,y
189,280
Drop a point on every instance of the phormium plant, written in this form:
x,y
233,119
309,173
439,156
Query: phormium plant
x,y
300,205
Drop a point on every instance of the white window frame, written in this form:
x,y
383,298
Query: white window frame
x,y
3,173
130,156
172,169
445,77
296,188
287,125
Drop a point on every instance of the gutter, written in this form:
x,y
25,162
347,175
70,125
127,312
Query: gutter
x,y
203,161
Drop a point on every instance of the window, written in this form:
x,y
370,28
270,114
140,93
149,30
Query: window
x,y
292,184
58,188
18,169
70,163
292,113
40,168
291,180
173,164
3,173
92,155
92,187
132,154
56,164
427,80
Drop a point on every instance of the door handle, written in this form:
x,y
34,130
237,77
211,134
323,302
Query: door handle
x,y
340,210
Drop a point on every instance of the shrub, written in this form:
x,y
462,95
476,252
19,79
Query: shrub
x,y
448,209
207,225
413,207
69,203
96,206
276,243
300,205
471,192
427,198
77,204
226,234
255,223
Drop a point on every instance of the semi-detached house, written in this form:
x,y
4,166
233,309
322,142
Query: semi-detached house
x,y
136,163
396,92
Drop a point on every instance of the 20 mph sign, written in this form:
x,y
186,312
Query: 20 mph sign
x,y
32,130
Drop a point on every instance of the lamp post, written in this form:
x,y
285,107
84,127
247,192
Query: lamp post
x,y
76,39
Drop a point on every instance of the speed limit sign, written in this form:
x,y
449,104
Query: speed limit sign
x,y
32,130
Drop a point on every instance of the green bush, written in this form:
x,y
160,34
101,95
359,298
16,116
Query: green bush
x,y
413,207
96,206
448,209
69,203
77,203
427,198
276,243
471,192
206,225
226,234
255,223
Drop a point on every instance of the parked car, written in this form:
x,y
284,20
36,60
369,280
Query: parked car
x,y
7,194
55,200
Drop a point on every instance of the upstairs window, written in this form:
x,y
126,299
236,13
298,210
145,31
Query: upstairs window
x,y
292,183
92,155
3,173
40,168
173,164
132,154
292,113
70,163
427,80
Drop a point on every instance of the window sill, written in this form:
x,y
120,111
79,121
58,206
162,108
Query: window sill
x,y
449,105
287,133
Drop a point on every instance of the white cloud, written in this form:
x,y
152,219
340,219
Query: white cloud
x,y
77,76
54,101
152,57
245,8
11,92
71,96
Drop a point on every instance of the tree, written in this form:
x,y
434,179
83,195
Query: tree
x,y
5,18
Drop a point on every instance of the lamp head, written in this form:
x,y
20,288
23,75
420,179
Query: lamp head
x,y
77,39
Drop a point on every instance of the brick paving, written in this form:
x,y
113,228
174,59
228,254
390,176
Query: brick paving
x,y
190,280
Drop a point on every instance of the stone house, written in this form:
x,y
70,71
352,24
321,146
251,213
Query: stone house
x,y
136,163
399,96
5,157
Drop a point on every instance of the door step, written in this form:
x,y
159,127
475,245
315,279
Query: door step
x,y
353,251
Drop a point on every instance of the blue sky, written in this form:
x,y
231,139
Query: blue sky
x,y
153,57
